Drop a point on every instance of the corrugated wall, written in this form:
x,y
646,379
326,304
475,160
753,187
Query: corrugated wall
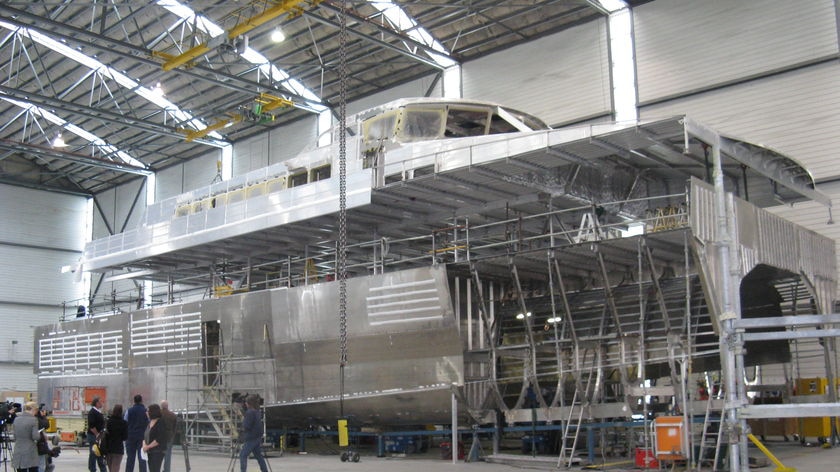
x,y
275,146
794,112
43,232
562,78
684,45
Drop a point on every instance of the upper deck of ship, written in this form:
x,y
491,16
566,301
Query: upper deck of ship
x,y
418,166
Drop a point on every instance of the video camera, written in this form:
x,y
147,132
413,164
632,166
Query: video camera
x,y
8,412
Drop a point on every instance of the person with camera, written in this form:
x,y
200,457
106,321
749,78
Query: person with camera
x,y
25,455
252,433
8,411
96,424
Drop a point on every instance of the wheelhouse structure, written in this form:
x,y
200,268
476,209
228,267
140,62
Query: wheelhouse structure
x,y
591,274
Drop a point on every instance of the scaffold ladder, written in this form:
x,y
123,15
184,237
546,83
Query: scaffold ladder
x,y
581,399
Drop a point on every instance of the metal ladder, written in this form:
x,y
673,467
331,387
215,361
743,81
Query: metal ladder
x,y
711,434
581,399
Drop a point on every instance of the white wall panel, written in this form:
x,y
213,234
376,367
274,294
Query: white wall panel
x,y
275,146
416,88
18,377
292,139
794,112
169,182
195,173
37,276
250,154
22,332
41,218
561,78
42,232
684,45
201,171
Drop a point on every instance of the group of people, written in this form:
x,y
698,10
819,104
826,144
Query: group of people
x,y
144,435
32,450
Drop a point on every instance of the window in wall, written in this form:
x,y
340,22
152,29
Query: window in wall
x,y
299,178
418,124
463,122
320,173
380,127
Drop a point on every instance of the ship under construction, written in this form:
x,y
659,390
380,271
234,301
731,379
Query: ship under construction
x,y
495,268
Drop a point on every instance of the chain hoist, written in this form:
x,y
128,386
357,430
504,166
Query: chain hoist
x,y
342,199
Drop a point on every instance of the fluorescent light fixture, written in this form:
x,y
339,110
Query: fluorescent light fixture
x,y
58,142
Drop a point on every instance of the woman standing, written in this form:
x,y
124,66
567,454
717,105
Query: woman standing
x,y
25,455
154,442
117,433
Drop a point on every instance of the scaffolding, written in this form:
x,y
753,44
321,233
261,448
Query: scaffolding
x,y
215,386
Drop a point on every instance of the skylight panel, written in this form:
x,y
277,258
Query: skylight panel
x,y
400,20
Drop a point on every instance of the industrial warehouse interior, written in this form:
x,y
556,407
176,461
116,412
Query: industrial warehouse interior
x,y
473,234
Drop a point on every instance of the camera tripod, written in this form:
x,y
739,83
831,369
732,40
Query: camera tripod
x,y
5,446
235,449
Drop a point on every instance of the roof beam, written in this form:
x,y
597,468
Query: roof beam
x,y
50,153
425,60
90,112
141,55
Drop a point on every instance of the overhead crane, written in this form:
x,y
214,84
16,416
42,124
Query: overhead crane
x,y
292,7
263,104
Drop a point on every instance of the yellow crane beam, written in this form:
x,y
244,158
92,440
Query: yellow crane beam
x,y
264,101
285,6
192,135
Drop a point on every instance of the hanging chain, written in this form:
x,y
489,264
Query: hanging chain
x,y
342,198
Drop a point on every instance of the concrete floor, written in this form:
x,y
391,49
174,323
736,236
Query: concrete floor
x,y
792,454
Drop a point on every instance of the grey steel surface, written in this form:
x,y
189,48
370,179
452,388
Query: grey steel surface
x,y
405,354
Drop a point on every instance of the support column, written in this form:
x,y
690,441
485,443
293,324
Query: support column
x,y
731,345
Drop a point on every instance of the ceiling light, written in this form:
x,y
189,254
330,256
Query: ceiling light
x,y
277,35
158,90
58,142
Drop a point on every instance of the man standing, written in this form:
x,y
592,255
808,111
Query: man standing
x,y
96,424
137,422
252,433
170,425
